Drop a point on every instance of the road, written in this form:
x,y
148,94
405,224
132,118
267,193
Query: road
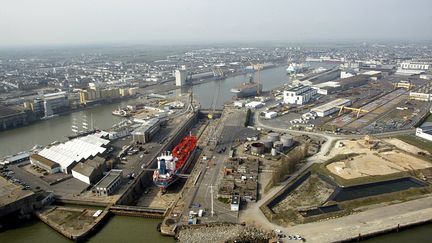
x,y
228,129
254,214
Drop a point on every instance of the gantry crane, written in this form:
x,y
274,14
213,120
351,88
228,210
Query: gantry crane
x,y
258,67
351,109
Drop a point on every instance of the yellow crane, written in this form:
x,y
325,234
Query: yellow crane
x,y
358,110
404,84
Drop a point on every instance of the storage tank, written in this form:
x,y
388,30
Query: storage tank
x,y
278,145
267,143
274,152
257,148
273,136
287,140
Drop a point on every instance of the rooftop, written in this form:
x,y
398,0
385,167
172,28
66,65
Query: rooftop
x,y
6,111
84,169
51,164
109,178
331,104
75,150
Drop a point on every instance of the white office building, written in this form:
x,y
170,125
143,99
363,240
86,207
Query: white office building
x,y
424,132
299,95
180,76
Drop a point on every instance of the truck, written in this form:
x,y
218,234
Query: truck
x,y
200,213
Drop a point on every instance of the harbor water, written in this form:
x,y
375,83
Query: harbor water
x,y
58,128
117,229
130,229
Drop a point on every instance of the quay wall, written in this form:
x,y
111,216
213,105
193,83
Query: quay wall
x,y
145,177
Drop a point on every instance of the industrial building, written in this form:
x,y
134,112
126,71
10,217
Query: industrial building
x,y
108,184
146,131
10,118
95,93
424,132
180,76
45,164
84,173
354,81
330,107
68,154
15,158
420,96
55,103
412,68
298,95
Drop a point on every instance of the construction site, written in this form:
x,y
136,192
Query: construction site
x,y
371,158
359,174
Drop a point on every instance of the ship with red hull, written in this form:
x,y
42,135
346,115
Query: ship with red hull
x,y
172,164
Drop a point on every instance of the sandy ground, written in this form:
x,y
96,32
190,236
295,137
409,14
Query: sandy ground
x,y
373,162
405,146
156,199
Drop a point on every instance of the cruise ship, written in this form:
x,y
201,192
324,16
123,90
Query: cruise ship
x,y
172,164
247,89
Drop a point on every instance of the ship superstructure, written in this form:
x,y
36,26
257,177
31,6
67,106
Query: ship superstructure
x,y
172,164
247,89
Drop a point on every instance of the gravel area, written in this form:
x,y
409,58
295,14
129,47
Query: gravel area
x,y
223,233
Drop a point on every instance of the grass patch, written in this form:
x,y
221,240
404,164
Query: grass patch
x,y
223,200
395,197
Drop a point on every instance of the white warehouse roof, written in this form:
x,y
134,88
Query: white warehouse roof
x,y
75,150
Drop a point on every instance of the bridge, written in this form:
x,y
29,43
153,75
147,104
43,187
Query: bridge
x,y
138,211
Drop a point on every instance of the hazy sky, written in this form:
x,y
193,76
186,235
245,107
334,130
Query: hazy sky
x,y
44,22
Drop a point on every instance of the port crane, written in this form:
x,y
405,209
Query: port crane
x,y
258,67
404,84
358,110
214,101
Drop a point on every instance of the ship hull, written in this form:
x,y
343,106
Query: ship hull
x,y
247,92
163,185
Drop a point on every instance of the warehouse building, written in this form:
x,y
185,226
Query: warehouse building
x,y
10,118
145,132
85,173
45,164
298,95
68,154
352,82
330,107
108,184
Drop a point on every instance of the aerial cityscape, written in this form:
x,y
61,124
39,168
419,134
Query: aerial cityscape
x,y
216,122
